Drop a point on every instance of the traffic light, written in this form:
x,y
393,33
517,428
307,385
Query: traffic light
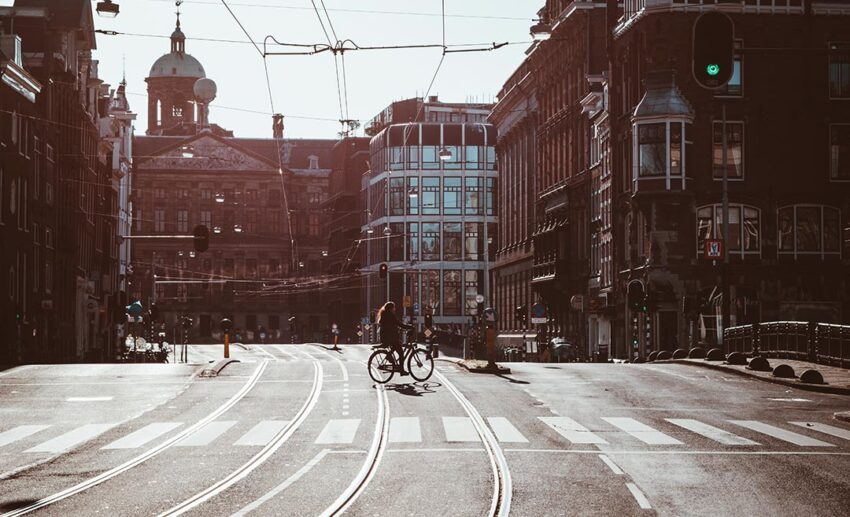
x,y
202,238
713,49
521,314
154,312
636,296
429,321
382,271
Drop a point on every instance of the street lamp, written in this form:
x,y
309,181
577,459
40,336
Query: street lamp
x,y
217,229
387,231
541,31
107,9
219,197
413,193
324,253
445,154
370,230
191,254
237,228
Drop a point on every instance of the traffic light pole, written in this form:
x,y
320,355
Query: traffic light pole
x,y
724,272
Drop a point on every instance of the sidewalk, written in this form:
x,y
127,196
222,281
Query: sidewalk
x,y
837,380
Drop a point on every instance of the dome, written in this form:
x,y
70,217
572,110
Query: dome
x,y
177,64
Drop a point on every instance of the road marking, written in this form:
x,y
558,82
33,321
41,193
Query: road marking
x,y
71,438
711,432
781,434
611,465
641,499
20,432
790,400
823,428
505,431
445,449
206,434
571,430
87,399
460,429
405,430
280,348
143,435
339,431
289,481
262,433
684,452
642,431
339,362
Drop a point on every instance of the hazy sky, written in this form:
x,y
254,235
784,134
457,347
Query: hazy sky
x,y
306,85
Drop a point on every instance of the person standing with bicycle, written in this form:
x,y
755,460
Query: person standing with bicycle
x,y
390,338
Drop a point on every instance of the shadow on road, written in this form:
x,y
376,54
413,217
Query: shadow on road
x,y
415,389
9,506
514,381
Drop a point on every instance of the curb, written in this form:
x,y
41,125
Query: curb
x,y
216,369
844,416
821,388
472,368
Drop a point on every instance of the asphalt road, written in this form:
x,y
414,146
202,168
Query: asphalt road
x,y
302,430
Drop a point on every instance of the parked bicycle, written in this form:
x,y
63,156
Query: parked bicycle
x,y
418,357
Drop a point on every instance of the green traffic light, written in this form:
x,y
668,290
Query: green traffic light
x,y
712,69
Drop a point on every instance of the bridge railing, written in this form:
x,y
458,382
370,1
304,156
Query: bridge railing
x,y
823,343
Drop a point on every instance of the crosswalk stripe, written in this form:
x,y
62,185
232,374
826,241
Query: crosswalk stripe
x,y
826,429
571,430
505,431
262,433
460,429
781,434
405,429
339,431
143,435
711,432
642,431
20,432
71,438
206,434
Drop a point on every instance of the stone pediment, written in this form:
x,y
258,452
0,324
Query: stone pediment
x,y
208,154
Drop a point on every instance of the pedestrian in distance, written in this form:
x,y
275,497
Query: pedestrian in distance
x,y
390,326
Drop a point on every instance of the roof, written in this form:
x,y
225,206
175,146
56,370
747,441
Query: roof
x,y
177,64
662,97
65,13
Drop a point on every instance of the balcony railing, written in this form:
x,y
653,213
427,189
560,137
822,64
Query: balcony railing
x,y
823,343
635,8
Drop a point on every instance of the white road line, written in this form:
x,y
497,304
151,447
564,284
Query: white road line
x,y
571,430
339,362
684,452
87,399
281,349
641,499
405,430
711,432
268,496
781,434
71,438
206,434
446,449
642,431
826,429
143,435
339,431
460,429
505,430
262,433
611,465
19,433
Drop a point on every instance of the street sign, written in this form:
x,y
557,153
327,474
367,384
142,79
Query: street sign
x,y
490,315
359,333
538,313
408,301
428,332
714,249
415,308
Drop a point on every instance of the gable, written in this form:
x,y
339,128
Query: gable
x,y
206,153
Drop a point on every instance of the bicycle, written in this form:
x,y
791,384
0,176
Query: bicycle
x,y
382,363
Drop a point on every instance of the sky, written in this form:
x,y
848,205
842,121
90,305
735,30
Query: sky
x,y
306,86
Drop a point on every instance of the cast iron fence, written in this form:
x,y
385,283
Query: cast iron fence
x,y
823,343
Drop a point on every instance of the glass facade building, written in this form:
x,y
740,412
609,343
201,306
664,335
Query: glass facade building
x,y
431,217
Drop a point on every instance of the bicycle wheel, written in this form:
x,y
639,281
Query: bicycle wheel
x,y
420,364
381,366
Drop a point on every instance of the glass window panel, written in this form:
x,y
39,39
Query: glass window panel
x,y
734,150
704,226
455,160
831,230
808,229
785,222
839,71
471,281
413,201
491,196
675,149
472,198
397,196
734,228
474,160
839,152
413,158
430,157
430,241
652,143
396,158
452,194
430,194
473,245
431,289
451,293
452,235
752,230
491,158
413,241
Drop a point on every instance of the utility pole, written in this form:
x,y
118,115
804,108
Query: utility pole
x,y
724,274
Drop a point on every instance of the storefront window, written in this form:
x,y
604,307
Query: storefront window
x,y
452,235
430,241
452,194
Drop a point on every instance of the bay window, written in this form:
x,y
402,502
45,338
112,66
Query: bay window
x,y
652,149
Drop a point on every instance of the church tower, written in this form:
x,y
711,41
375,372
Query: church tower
x,y
171,104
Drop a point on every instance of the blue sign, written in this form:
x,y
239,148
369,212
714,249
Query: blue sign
x,y
538,310
415,308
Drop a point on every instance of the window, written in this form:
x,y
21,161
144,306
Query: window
x,y
471,281
159,193
48,277
206,218
430,157
454,162
430,196
48,193
744,228
491,158
491,197
397,196
451,292
452,237
472,198
652,140
48,237
839,152
473,245
183,221
274,222
314,162
413,200
206,194
397,242
36,233
396,158
413,241
734,150
36,167
839,71
2,194
809,230
430,241
314,227
159,220
735,86
452,195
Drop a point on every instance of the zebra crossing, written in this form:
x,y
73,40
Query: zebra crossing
x,y
32,439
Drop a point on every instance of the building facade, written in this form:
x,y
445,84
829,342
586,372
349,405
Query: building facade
x,y
431,202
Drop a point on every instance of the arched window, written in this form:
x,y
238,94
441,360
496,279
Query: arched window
x,y
808,230
744,228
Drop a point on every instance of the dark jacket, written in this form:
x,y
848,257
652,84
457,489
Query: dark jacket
x,y
389,329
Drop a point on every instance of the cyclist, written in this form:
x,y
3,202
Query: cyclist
x,y
390,338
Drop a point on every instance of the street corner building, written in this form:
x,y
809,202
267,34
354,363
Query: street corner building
x,y
624,153
261,199
64,163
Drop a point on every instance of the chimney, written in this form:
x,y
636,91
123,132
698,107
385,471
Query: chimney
x,y
433,98
277,126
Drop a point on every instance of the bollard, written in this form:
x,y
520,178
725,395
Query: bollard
x,y
226,345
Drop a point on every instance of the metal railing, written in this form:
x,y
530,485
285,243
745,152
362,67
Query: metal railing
x,y
823,343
